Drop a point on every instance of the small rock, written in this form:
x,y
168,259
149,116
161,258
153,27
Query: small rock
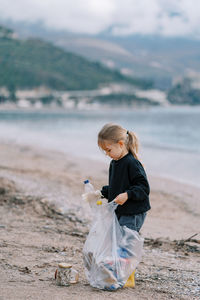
x,y
2,191
25,270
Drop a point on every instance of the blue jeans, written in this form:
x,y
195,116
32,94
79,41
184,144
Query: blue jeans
x,y
134,222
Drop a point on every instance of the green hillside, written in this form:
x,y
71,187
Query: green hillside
x,y
32,63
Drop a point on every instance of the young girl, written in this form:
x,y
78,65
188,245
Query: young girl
x,y
128,184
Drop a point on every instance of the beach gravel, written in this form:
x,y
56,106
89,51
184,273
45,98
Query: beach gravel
x,y
44,222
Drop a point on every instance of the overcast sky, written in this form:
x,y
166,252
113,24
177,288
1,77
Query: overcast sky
x,y
166,17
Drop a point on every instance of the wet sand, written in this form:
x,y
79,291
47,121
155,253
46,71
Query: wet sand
x,y
44,222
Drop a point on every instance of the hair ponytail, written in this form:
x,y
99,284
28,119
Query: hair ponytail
x,y
132,144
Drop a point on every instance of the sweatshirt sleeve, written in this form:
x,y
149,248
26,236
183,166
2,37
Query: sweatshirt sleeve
x,y
104,191
139,187
105,188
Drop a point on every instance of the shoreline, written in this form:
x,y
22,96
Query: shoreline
x,y
13,107
160,154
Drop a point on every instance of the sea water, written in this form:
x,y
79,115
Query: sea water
x,y
169,137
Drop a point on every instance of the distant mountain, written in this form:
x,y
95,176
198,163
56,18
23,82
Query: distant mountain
x,y
31,63
161,59
152,57
173,55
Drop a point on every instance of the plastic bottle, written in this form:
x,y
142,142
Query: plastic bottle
x,y
88,187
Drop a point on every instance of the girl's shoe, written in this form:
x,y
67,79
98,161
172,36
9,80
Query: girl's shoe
x,y
130,281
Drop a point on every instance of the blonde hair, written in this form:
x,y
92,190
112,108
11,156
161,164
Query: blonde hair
x,y
114,133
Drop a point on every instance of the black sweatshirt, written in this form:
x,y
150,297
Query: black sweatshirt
x,y
128,175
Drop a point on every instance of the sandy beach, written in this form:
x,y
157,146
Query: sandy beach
x,y
44,222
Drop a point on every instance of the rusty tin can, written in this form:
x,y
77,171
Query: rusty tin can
x,y
66,275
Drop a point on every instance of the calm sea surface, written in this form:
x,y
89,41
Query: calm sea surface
x,y
169,137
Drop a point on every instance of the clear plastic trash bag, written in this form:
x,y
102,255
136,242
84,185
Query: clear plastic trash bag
x,y
111,252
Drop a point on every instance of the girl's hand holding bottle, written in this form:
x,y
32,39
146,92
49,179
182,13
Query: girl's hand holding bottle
x,y
92,196
121,198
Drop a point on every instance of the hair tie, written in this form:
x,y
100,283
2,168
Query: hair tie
x,y
127,132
